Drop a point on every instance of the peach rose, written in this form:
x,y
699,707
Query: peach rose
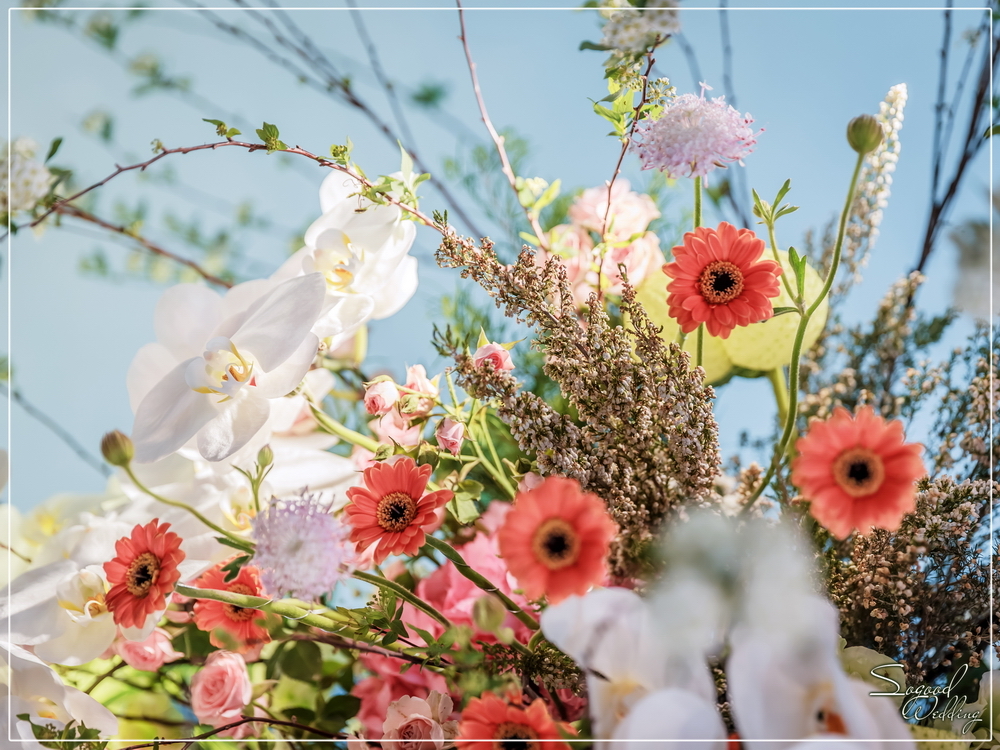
x,y
493,355
148,655
415,724
221,689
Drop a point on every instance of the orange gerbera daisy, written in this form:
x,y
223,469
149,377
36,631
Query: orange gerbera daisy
x,y
555,539
143,574
242,623
719,280
391,509
857,472
490,718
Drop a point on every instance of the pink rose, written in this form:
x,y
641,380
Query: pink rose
x,y
148,655
450,435
640,259
575,249
394,427
388,685
630,212
380,397
221,689
528,482
417,380
415,724
493,355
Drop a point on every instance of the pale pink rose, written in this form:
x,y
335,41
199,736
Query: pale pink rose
x,y
493,355
148,655
417,380
380,397
454,595
416,724
528,482
362,458
394,427
575,249
387,685
221,689
630,212
450,435
640,259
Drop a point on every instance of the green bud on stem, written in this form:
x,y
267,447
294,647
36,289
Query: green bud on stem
x,y
117,448
865,134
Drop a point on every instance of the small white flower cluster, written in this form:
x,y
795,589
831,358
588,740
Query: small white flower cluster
x,y
881,163
694,135
29,179
634,30
302,550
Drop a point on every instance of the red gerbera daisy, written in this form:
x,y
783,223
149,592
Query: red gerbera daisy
x,y
490,718
391,509
143,574
857,472
555,539
242,623
719,280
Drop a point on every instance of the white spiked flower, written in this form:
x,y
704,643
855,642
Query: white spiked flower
x,y
302,550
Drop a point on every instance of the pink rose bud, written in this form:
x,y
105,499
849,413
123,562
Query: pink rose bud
x,y
380,397
493,355
450,435
221,689
529,481
148,655
417,380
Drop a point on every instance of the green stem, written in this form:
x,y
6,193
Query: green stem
x,y
327,620
793,370
242,543
780,388
777,259
403,593
494,471
334,427
466,570
699,351
697,202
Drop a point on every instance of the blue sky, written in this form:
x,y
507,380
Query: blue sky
x,y
801,73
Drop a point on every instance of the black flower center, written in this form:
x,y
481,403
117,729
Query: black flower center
x,y
859,471
512,736
556,544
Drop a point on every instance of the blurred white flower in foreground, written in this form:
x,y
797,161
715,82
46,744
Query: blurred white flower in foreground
x,y
218,364
361,250
29,179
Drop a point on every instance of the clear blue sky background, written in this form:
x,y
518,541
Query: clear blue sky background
x,y
801,73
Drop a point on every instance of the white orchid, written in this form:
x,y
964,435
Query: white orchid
x,y
219,363
361,249
33,688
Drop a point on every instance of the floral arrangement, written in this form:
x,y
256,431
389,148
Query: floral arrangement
x,y
539,545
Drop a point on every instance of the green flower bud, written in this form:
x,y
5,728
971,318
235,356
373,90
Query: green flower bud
x,y
865,134
488,613
265,457
117,448
383,452
428,455
409,403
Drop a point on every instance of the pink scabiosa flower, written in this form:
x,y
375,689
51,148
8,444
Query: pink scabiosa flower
x,y
302,550
493,355
450,435
380,397
693,136
719,280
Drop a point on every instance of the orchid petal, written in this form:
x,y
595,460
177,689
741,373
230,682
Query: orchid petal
x,y
233,427
146,370
391,298
185,317
286,377
169,415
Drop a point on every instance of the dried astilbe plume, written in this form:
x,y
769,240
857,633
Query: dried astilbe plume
x,y
645,439
920,595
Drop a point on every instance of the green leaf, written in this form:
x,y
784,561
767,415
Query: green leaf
x,y
991,131
406,164
591,45
784,310
303,661
243,547
232,568
483,338
550,194
799,264
231,132
781,193
56,143
337,711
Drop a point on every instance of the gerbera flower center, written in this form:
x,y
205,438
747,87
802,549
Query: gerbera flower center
x,y
556,544
720,282
142,574
513,736
859,471
240,614
396,511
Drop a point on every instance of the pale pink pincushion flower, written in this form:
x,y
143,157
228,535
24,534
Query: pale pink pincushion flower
x,y
493,355
693,136
416,724
380,397
630,212
148,655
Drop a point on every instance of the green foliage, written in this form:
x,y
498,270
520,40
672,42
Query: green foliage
x,y
269,135
72,737
342,154
464,504
149,69
101,29
101,124
430,94
222,129
766,211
